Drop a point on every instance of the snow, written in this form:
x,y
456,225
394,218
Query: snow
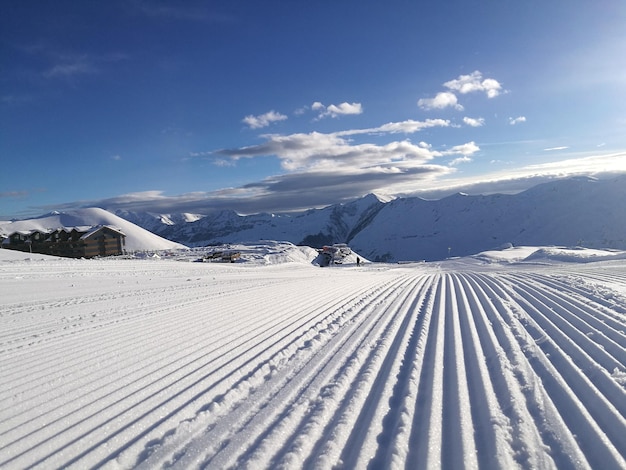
x,y
571,212
549,254
137,238
513,358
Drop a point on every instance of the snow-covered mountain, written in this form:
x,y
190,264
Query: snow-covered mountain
x,y
137,238
574,212
156,222
578,211
581,211
314,227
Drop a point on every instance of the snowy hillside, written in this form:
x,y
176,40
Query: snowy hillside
x,y
137,238
315,227
572,212
581,211
155,222
576,212
509,359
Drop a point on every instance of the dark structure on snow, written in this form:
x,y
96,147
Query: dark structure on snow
x,y
71,242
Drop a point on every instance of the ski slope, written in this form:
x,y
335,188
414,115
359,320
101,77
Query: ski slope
x,y
459,364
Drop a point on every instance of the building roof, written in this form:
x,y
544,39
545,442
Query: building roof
x,y
88,230
98,228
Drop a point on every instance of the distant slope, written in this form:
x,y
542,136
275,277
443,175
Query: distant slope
x,y
155,222
137,238
314,227
579,211
573,212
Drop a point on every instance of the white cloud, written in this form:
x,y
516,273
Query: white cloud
x,y
474,82
180,12
70,69
301,111
472,122
517,120
518,179
69,65
316,151
409,126
344,108
319,187
467,149
590,165
263,120
335,153
139,196
223,162
555,148
336,110
463,84
444,99
458,161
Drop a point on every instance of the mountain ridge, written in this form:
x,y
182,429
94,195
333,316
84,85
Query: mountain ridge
x,y
569,212
576,211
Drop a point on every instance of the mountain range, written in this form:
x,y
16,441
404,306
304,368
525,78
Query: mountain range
x,y
570,212
585,212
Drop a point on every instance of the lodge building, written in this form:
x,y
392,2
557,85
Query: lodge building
x,y
71,242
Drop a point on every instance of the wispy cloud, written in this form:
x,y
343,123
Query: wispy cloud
x,y
590,165
15,99
521,178
13,194
551,149
409,126
517,120
71,67
178,12
223,162
460,160
263,120
67,65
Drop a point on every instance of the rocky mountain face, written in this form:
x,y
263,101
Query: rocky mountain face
x,y
574,212
315,227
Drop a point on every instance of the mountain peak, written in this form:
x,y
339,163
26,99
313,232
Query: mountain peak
x,y
580,211
384,198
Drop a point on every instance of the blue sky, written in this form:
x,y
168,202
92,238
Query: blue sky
x,y
276,106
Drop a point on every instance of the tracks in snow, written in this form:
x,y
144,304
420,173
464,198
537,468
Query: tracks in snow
x,y
319,369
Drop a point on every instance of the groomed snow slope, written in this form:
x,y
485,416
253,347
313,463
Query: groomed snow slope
x,y
457,364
